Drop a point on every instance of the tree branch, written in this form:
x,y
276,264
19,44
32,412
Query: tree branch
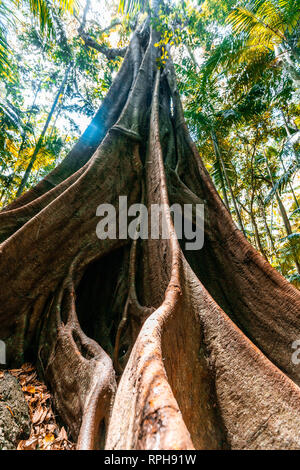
x,y
110,53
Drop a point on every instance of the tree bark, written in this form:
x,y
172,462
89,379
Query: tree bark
x,y
284,169
217,155
263,214
220,158
204,337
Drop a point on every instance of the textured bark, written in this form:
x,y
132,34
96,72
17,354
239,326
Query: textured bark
x,y
146,345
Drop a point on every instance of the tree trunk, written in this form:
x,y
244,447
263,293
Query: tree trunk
x,y
215,146
224,170
41,138
263,214
145,344
290,184
257,236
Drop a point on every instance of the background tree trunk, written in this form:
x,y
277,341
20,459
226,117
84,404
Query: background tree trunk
x,y
41,138
263,214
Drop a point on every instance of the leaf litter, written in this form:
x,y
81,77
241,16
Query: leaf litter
x,y
46,433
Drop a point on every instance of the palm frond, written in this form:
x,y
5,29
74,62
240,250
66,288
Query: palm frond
x,y
11,114
218,174
68,5
294,279
129,6
44,10
266,22
7,18
226,54
295,213
282,182
265,30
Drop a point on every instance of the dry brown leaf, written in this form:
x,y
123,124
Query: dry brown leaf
x,y
29,389
45,412
45,398
63,436
31,377
21,445
37,415
44,427
27,367
48,439
33,399
30,444
49,415
51,428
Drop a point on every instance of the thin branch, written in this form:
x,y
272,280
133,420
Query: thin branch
x,y
110,53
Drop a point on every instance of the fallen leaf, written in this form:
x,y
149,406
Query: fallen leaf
x,y
30,444
63,436
31,377
10,410
28,367
45,412
45,432
29,389
51,428
48,439
37,415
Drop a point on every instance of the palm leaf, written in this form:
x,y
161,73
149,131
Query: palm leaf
x,y
12,114
7,18
43,11
295,213
129,6
259,32
282,182
266,21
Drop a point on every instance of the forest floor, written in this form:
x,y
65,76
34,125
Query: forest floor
x,y
46,432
